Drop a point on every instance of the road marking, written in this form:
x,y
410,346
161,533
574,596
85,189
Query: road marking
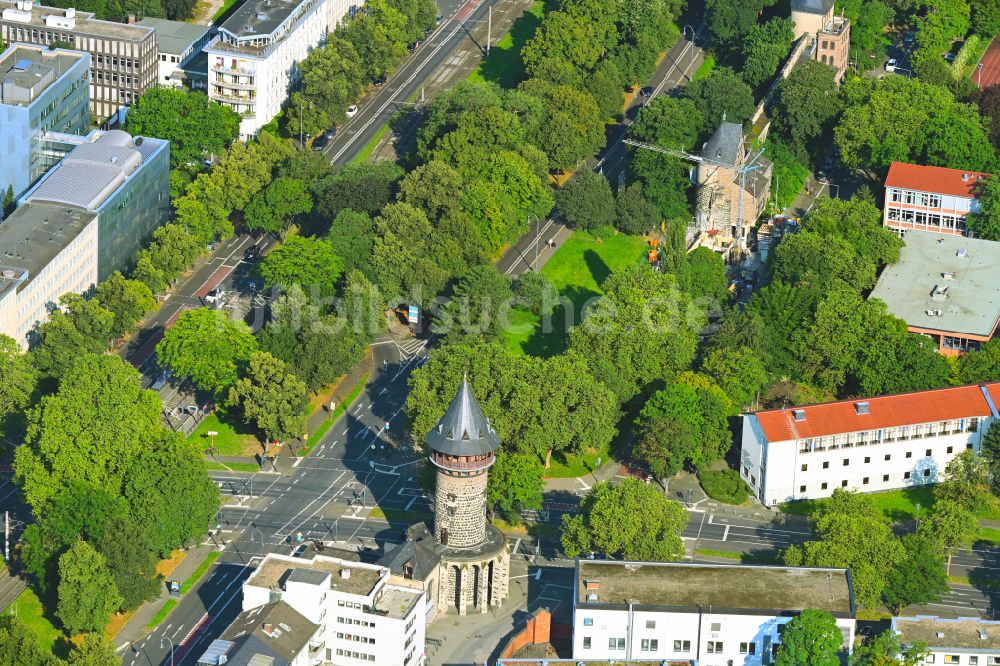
x,y
725,535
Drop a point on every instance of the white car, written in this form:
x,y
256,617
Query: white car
x,y
352,111
890,65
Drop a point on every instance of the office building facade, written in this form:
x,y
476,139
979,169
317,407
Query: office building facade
x,y
40,91
123,57
871,444
710,615
252,61
125,181
179,43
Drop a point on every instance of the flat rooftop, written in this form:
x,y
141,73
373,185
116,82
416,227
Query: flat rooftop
x,y
260,18
32,237
84,23
722,586
28,71
944,283
94,170
273,571
174,37
396,602
962,633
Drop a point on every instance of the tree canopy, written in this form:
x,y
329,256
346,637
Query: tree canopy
x,y
195,126
811,637
206,347
633,520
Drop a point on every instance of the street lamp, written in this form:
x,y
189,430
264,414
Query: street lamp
x,y
212,434
169,640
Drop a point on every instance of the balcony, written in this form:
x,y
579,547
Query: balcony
x,y
222,69
237,85
233,99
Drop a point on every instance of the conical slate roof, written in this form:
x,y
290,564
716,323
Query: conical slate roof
x,y
463,430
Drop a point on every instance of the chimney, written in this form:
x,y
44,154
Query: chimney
x,y
268,628
131,19
345,573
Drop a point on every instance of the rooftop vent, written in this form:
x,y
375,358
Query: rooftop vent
x,y
965,177
982,634
940,292
961,253
592,584
261,16
934,313
948,275
268,629
799,414
345,573
862,407
592,597
939,634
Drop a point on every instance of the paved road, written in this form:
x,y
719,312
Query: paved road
x,y
380,106
342,473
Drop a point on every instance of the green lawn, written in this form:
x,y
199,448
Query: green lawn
x,y
989,534
897,505
233,438
573,466
504,66
202,569
29,609
901,505
162,614
705,68
231,467
576,270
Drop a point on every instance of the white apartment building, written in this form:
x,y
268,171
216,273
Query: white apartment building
x,y
252,61
871,444
363,617
929,198
711,615
966,641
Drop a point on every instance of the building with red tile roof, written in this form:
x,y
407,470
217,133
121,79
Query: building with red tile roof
x,y
929,198
869,444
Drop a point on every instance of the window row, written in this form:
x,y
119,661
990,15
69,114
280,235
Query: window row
x,y
924,474
919,217
916,198
929,453
356,639
351,620
957,659
888,435
356,655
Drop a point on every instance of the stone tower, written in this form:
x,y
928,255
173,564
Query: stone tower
x,y
475,563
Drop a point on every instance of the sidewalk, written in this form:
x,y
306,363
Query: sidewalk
x,y
135,629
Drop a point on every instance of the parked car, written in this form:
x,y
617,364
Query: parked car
x,y
214,296
890,65
352,111
257,234
949,56
321,142
908,38
380,80
251,253
647,91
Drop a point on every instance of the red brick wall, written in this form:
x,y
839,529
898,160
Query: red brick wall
x,y
537,630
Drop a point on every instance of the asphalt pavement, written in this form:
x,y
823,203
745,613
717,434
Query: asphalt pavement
x,y
382,103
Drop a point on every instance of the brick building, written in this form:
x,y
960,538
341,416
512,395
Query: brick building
x,y
929,198
831,34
